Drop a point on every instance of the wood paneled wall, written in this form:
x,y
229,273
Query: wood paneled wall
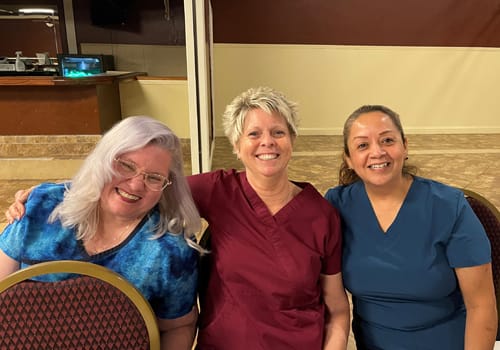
x,y
359,22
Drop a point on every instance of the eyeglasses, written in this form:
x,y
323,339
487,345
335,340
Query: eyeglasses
x,y
128,170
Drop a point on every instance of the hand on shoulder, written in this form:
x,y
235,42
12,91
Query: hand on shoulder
x,y
17,209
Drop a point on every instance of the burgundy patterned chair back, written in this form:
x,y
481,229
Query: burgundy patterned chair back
x,y
489,216
84,312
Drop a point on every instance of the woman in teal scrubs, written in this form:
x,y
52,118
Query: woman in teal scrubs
x,y
416,258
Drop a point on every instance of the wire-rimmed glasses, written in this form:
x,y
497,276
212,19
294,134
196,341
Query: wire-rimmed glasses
x,y
128,169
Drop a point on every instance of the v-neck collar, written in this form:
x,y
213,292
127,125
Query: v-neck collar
x,y
260,207
388,232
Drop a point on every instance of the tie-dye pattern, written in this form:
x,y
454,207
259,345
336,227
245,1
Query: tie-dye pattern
x,y
163,269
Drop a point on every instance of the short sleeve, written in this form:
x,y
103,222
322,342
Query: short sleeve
x,y
201,188
468,245
12,238
179,295
41,202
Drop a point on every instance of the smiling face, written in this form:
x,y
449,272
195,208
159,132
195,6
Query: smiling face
x,y
131,198
265,144
376,149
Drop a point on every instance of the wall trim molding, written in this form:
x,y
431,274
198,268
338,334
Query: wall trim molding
x,y
408,131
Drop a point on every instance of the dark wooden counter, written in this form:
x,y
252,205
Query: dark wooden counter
x,y
41,105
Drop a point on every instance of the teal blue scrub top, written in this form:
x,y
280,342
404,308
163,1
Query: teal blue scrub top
x,y
405,292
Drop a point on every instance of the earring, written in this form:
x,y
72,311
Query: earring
x,y
406,158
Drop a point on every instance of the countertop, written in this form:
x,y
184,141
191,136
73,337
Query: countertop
x,y
104,78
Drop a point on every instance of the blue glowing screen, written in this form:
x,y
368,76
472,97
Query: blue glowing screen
x,y
80,66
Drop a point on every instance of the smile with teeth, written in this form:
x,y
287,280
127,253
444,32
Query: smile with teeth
x,y
379,166
127,195
267,156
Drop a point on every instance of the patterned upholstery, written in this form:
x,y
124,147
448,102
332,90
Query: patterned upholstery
x,y
489,216
78,313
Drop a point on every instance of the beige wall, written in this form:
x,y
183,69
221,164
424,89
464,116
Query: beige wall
x,y
436,90
165,100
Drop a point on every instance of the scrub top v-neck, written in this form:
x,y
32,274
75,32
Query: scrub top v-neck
x,y
403,283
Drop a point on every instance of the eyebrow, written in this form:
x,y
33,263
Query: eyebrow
x,y
381,134
137,166
388,132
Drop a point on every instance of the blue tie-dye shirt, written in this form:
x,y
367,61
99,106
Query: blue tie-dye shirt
x,y
163,269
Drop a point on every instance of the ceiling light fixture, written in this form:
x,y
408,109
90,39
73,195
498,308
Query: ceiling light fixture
x,y
33,11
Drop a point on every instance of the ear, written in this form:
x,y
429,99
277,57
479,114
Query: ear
x,y
405,145
347,160
236,150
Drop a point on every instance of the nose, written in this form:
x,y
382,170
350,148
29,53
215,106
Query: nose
x,y
377,150
267,139
137,181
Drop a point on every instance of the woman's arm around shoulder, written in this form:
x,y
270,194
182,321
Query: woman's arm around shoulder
x,y
337,315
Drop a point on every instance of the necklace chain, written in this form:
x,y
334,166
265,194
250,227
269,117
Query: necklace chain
x,y
113,243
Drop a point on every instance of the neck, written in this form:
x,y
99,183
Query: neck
x,y
114,226
274,192
394,190
109,222
111,232
268,186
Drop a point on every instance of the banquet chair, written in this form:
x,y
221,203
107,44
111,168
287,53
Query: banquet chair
x,y
489,216
91,308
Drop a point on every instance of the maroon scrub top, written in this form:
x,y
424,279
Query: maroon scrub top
x,y
264,288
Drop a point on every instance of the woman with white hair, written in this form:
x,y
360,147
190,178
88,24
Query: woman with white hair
x,y
128,208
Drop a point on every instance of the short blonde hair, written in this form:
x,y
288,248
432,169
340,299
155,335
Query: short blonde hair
x,y
265,98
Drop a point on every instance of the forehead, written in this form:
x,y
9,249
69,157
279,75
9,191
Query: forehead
x,y
150,156
256,118
372,123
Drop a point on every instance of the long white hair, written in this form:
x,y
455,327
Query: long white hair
x,y
80,207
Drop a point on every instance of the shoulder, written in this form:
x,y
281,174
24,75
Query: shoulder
x,y
333,193
312,198
216,175
166,255
214,180
436,198
181,260
173,243
339,196
432,190
45,197
48,190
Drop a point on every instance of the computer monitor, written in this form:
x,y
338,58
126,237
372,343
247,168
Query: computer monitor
x,y
75,66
